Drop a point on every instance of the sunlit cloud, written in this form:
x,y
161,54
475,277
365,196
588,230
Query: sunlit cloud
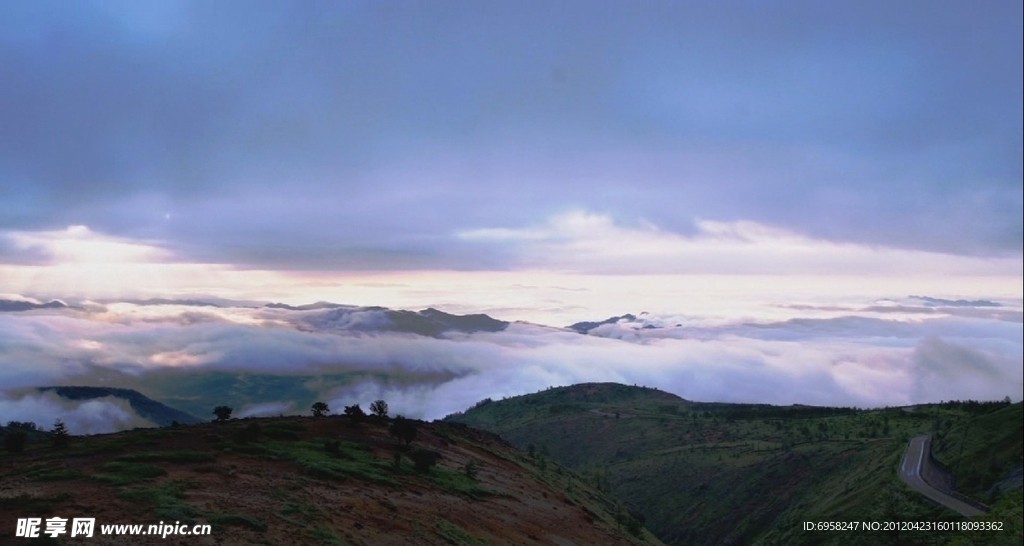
x,y
589,242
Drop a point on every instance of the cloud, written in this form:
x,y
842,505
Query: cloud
x,y
360,137
270,361
94,416
594,243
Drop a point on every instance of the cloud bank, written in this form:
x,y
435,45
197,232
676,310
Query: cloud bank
x,y
267,361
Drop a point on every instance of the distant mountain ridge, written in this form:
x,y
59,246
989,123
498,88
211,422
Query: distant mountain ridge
x,y
428,322
25,305
147,408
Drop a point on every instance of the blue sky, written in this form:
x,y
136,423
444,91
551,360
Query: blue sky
x,y
587,137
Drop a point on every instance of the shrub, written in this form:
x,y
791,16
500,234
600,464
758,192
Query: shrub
x,y
249,433
424,459
470,469
355,412
14,442
403,429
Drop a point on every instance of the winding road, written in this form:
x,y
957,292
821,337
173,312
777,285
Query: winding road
x,y
914,458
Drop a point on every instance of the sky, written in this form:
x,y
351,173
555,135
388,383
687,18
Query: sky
x,y
541,161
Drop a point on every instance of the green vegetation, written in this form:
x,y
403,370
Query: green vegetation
x,y
326,537
123,473
345,460
240,520
456,535
707,472
46,473
165,498
982,449
33,503
175,456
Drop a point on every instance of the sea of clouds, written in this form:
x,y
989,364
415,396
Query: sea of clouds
x,y
882,353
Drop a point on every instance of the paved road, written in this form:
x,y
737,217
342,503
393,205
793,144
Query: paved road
x,y
910,472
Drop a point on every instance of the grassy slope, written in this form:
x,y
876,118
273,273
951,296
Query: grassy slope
x,y
724,473
280,484
983,449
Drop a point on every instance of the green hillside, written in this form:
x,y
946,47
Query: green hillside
x,y
984,450
730,473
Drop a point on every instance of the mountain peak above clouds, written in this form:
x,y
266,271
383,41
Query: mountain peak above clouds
x,y
629,321
429,322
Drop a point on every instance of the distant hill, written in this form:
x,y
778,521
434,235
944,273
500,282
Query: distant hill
x,y
147,408
428,322
305,480
586,326
713,473
24,305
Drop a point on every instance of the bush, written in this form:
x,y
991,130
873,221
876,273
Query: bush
x,y
424,459
355,412
403,429
249,433
14,442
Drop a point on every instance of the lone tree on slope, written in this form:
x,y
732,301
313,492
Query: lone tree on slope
x,y
60,435
320,409
223,413
379,408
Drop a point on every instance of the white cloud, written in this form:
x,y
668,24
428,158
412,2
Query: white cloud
x,y
584,241
868,360
94,416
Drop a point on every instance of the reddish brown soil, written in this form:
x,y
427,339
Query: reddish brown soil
x,y
517,502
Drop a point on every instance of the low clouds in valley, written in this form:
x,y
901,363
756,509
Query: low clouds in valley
x,y
268,361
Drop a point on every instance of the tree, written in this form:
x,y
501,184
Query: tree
x,y
403,429
320,409
379,408
60,435
355,412
223,413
